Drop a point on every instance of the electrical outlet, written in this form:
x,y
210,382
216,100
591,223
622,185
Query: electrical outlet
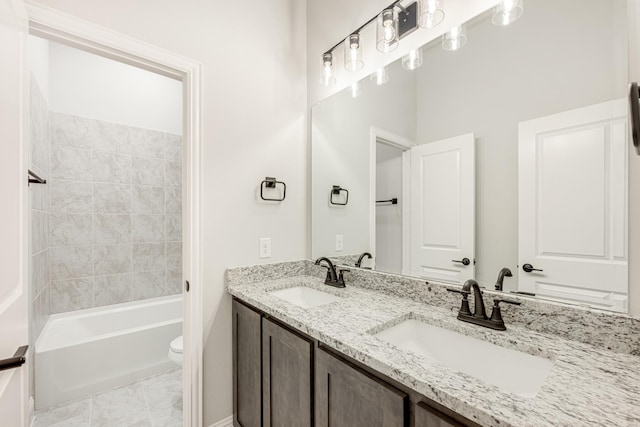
x,y
265,247
339,243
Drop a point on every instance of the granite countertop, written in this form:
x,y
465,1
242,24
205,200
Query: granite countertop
x,y
587,386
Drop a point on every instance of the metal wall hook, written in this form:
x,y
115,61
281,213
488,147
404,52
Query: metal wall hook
x,y
336,190
270,182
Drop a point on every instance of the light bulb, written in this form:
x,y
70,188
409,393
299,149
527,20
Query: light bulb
x,y
413,59
431,13
353,53
454,39
380,77
507,12
389,33
386,33
327,77
356,89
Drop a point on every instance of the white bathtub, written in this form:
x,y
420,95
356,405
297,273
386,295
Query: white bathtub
x,y
87,351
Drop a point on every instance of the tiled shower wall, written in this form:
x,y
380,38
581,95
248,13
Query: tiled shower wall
x,y
115,228
39,195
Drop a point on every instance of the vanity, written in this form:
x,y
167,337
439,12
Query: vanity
x,y
356,356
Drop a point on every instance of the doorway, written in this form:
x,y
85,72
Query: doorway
x,y
68,31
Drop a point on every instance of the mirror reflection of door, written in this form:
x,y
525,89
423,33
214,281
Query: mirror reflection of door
x,y
443,209
573,204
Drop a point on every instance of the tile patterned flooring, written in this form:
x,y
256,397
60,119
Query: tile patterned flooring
x,y
155,401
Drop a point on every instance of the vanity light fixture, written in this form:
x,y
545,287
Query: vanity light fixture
x,y
455,38
327,77
356,89
380,77
412,60
387,31
353,53
431,13
392,24
507,12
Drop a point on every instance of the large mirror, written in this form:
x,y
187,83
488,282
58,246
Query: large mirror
x,y
504,161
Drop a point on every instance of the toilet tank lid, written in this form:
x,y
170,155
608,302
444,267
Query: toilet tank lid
x,y
176,345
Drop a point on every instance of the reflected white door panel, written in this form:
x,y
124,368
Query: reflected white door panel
x,y
573,205
443,209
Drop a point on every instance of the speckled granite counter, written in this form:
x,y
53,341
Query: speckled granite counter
x,y
588,386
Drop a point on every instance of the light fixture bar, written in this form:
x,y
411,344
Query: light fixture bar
x,y
392,5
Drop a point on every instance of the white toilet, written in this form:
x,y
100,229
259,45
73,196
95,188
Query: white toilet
x,y
175,351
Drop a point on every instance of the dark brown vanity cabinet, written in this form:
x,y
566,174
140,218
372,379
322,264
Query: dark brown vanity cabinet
x,y
283,378
272,373
426,416
348,397
287,383
247,367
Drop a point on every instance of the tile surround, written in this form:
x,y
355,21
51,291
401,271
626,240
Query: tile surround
x,y
115,222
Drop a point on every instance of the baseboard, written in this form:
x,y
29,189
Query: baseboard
x,y
227,422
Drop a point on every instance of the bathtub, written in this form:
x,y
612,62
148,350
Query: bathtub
x,y
88,351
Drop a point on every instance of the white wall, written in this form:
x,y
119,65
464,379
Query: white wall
x,y
87,85
39,63
254,125
341,131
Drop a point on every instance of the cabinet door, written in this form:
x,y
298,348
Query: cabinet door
x,y
247,357
347,397
287,369
426,416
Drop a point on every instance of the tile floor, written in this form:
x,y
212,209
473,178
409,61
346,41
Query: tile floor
x,y
155,401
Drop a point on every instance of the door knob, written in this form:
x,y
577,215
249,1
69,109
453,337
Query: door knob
x,y
529,268
463,261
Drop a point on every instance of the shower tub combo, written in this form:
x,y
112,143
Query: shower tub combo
x,y
88,351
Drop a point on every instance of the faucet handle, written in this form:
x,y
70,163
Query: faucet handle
x,y
496,313
341,275
459,291
464,307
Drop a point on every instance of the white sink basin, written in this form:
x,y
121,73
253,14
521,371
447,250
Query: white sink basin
x,y
510,370
305,297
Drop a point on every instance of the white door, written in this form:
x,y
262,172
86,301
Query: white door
x,y
573,203
14,388
443,209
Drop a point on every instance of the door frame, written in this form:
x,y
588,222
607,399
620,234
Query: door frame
x,y
56,26
389,138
